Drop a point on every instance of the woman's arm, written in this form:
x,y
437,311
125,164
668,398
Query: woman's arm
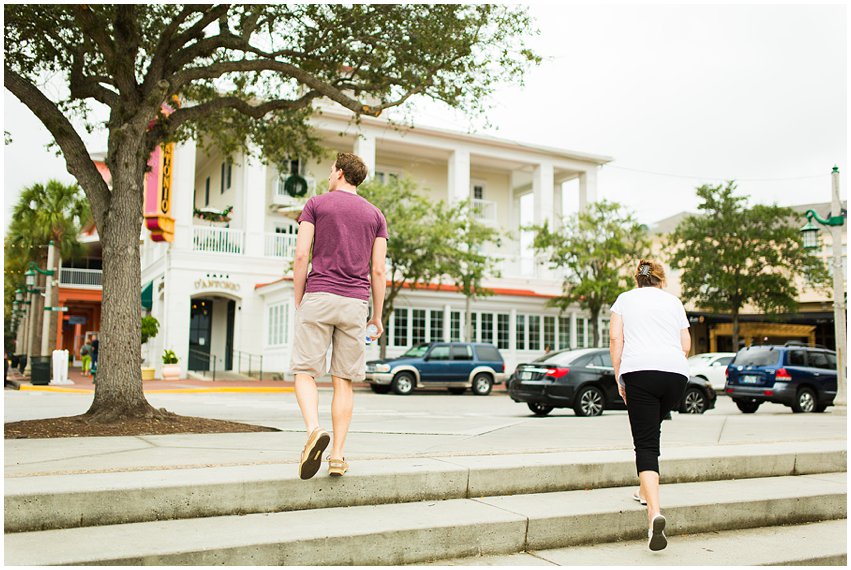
x,y
685,341
616,341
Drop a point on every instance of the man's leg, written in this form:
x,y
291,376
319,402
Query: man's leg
x,y
341,414
308,400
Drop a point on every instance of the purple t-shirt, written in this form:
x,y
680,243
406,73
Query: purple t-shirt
x,y
346,227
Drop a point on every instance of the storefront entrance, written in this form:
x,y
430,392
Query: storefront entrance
x,y
211,326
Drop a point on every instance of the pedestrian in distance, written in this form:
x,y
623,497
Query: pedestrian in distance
x,y
95,347
650,342
86,357
349,240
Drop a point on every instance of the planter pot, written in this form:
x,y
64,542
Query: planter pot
x,y
171,371
148,373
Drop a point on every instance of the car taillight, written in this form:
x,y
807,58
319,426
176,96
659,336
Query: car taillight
x,y
557,372
782,375
503,366
727,372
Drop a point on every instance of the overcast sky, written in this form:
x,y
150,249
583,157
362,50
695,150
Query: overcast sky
x,y
689,94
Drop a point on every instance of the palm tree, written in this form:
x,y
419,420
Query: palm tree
x,y
53,211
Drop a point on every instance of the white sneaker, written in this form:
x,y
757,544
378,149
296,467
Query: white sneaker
x,y
656,534
637,497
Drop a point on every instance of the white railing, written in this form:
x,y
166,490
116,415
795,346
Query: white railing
x,y
80,277
484,210
218,240
280,245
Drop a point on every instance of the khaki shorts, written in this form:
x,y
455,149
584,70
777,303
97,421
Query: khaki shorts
x,y
321,319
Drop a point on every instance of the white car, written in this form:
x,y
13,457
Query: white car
x,y
711,366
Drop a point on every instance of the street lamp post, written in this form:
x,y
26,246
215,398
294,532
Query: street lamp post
x,y
835,222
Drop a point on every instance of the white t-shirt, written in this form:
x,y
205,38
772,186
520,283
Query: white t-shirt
x,y
652,321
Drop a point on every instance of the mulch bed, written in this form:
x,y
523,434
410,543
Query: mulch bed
x,y
79,426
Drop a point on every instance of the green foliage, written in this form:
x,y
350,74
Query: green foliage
x,y
150,328
595,249
469,265
731,255
169,357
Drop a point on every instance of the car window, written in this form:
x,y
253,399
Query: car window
x,y
417,351
439,352
607,359
831,361
699,359
757,357
797,358
488,353
818,359
595,360
462,352
724,360
564,358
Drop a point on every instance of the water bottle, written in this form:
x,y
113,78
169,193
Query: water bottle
x,y
371,331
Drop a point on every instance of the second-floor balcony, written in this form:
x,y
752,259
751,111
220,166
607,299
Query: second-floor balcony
x,y
218,240
80,278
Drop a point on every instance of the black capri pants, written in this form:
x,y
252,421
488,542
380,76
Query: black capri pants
x,y
650,395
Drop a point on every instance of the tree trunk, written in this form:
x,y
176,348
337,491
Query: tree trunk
x,y
382,341
468,319
735,330
595,326
118,393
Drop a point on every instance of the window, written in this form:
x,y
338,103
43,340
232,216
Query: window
x,y
607,359
418,319
817,359
207,192
488,354
503,338
797,358
462,352
757,357
534,332
230,169
474,328
222,180
831,361
479,191
520,333
604,333
439,352
436,322
455,326
595,361
487,328
580,332
400,325
563,332
549,332
277,324
724,361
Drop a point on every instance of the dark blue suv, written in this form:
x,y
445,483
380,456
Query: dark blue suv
x,y
801,377
453,365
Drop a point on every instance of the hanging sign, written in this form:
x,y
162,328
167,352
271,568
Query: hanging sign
x,y
158,190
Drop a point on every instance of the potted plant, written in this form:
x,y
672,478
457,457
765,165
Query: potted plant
x,y
171,369
150,328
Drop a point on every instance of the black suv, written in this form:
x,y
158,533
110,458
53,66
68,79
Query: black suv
x,y
584,380
798,376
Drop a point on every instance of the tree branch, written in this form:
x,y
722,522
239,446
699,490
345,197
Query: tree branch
x,y
164,46
83,87
77,159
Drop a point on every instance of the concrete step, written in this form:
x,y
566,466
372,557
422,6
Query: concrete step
x,y
813,544
66,501
408,533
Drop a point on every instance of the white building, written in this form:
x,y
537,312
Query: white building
x,y
224,295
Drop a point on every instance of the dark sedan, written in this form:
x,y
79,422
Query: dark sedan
x,y
584,380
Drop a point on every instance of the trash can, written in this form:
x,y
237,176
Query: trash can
x,y
40,370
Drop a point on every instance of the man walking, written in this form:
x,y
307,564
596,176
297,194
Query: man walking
x,y
348,235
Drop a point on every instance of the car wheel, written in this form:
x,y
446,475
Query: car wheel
x,y
539,409
805,402
457,390
590,401
482,384
403,384
747,407
694,401
380,388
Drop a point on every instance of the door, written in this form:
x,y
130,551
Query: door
x,y
229,338
822,372
200,327
435,365
601,364
718,372
462,363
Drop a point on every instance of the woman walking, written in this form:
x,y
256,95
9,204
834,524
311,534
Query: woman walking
x,y
649,345
86,357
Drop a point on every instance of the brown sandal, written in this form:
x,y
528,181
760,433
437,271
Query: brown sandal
x,y
337,467
311,456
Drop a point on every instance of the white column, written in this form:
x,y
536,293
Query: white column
x,y
558,204
254,205
365,148
459,176
587,188
573,330
542,188
447,323
512,332
183,201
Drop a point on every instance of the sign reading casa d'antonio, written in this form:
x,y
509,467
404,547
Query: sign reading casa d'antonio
x,y
158,190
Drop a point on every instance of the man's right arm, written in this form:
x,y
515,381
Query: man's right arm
x,y
303,243
378,275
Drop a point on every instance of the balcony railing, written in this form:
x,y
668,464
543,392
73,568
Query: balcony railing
x,y
218,240
484,210
85,278
280,245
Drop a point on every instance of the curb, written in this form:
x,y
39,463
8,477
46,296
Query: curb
x,y
164,390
